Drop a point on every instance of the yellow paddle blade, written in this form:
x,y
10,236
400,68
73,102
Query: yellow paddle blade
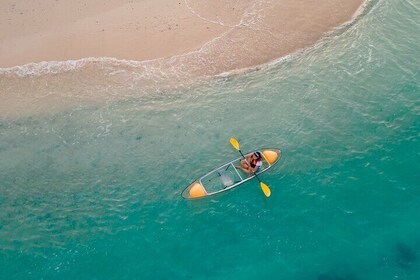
x,y
234,143
266,190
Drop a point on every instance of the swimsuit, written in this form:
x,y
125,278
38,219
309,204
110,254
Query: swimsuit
x,y
258,164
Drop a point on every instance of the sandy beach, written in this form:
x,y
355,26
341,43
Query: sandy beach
x,y
110,110
148,29
55,55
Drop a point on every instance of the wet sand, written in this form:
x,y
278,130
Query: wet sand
x,y
60,55
248,32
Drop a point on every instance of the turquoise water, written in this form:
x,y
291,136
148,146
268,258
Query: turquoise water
x,y
95,192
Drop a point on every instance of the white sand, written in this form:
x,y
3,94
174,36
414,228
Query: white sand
x,y
45,30
175,42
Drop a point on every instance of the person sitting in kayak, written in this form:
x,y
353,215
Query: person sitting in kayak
x,y
251,163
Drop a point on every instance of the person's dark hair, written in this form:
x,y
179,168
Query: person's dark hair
x,y
257,154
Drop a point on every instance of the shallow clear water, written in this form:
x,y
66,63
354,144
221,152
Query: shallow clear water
x,y
95,192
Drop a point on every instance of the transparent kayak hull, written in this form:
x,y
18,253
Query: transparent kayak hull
x,y
227,176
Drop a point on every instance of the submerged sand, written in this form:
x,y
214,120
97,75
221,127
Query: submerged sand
x,y
167,43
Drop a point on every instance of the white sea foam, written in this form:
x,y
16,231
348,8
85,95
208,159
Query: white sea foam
x,y
249,20
54,67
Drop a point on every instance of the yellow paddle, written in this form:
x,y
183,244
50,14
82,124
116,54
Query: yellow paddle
x,y
266,190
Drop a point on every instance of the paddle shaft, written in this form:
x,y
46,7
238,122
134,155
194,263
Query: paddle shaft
x,y
266,190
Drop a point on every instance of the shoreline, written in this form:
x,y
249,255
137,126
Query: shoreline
x,y
49,87
148,52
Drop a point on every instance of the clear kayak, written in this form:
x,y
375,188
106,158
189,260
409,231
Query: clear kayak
x,y
227,176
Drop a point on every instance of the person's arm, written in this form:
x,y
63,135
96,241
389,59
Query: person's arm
x,y
251,170
248,158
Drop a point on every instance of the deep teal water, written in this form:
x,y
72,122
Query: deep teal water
x,y
95,193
